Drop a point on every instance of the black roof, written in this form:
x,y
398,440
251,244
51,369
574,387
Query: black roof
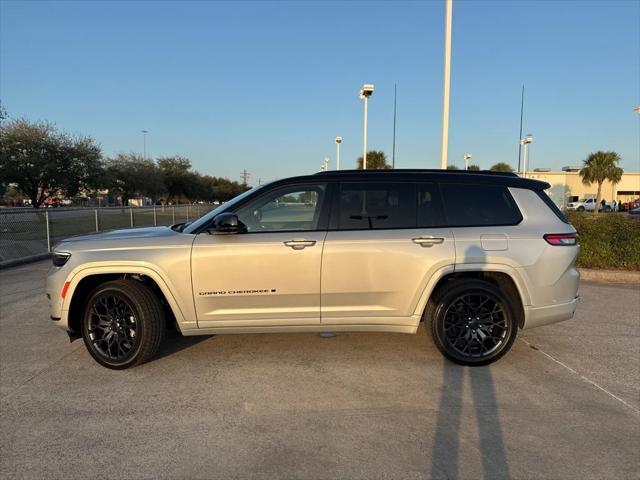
x,y
507,179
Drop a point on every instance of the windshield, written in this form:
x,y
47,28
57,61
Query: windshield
x,y
195,226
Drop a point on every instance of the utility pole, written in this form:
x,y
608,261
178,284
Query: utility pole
x,y
447,83
521,117
244,175
144,143
395,101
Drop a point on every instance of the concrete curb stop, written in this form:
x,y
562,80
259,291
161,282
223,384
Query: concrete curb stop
x,y
610,276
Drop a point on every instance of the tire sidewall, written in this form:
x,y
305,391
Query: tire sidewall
x,y
141,327
443,304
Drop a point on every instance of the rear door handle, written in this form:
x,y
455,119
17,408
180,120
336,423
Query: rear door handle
x,y
299,244
428,241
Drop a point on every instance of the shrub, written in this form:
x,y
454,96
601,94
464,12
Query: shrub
x,y
607,241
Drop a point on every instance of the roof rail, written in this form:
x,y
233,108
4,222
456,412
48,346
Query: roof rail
x,y
419,170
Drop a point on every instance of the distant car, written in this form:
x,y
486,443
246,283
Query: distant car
x,y
635,213
628,206
588,204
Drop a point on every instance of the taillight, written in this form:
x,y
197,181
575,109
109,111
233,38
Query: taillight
x,y
562,239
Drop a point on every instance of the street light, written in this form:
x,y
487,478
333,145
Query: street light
x,y
144,142
326,163
365,92
467,157
446,89
338,142
526,141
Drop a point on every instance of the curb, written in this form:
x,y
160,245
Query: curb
x,y
23,260
610,276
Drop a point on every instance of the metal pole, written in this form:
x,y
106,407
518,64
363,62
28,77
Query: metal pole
x,y
155,217
97,224
521,117
364,154
447,84
395,100
173,213
187,212
46,218
526,160
337,156
131,215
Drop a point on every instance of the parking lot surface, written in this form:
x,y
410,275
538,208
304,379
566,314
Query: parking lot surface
x,y
564,403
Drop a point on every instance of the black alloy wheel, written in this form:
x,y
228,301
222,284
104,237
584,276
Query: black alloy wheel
x,y
472,322
123,323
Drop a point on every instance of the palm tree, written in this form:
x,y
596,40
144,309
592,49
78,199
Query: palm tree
x,y
599,167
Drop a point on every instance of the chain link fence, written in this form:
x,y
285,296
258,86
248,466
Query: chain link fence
x,y
27,233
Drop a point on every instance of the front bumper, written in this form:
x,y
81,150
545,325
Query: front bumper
x,y
538,316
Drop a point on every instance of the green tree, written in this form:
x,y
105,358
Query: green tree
x,y
131,176
376,160
452,167
501,167
42,161
474,167
177,176
599,167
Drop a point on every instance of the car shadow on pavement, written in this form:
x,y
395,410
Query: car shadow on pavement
x,y
175,342
447,455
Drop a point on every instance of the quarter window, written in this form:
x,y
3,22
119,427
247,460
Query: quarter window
x,y
364,206
469,205
286,209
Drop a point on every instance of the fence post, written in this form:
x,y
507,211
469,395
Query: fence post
x,y
46,218
131,215
155,218
173,213
97,224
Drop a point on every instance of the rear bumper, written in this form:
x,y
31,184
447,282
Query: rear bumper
x,y
538,316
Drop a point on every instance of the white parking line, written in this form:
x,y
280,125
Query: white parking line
x,y
599,387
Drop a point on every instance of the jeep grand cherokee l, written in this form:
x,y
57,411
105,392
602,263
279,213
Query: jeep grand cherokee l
x,y
476,255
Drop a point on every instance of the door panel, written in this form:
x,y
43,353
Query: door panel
x,y
377,276
256,279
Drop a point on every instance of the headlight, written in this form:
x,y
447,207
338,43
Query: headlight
x,y
60,258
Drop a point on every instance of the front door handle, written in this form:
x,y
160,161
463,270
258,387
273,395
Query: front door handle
x,y
428,241
299,244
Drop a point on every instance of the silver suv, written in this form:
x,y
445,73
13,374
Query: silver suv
x,y
476,255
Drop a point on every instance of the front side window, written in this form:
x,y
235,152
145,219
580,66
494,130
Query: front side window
x,y
364,206
471,205
293,208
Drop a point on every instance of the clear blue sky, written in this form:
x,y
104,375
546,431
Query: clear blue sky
x,y
267,85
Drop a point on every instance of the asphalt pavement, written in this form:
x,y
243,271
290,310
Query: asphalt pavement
x,y
564,403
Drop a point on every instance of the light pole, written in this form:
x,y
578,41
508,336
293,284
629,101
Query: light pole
x,y
338,141
446,83
365,92
526,141
326,163
467,157
144,143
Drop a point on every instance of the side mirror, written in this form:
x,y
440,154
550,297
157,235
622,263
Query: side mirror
x,y
225,224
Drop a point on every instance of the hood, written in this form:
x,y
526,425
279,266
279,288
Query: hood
x,y
147,232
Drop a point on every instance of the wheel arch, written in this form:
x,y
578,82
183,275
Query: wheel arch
x,y
86,280
501,277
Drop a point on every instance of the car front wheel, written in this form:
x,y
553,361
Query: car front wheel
x,y
123,324
472,322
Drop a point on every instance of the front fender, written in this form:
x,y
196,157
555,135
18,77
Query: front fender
x,y
182,308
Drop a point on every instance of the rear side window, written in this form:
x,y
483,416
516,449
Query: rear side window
x,y
430,212
473,205
551,204
364,206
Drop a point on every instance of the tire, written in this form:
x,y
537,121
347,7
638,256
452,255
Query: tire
x,y
123,324
581,209
463,338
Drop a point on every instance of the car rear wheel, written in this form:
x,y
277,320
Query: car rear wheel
x,y
472,322
581,209
123,324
